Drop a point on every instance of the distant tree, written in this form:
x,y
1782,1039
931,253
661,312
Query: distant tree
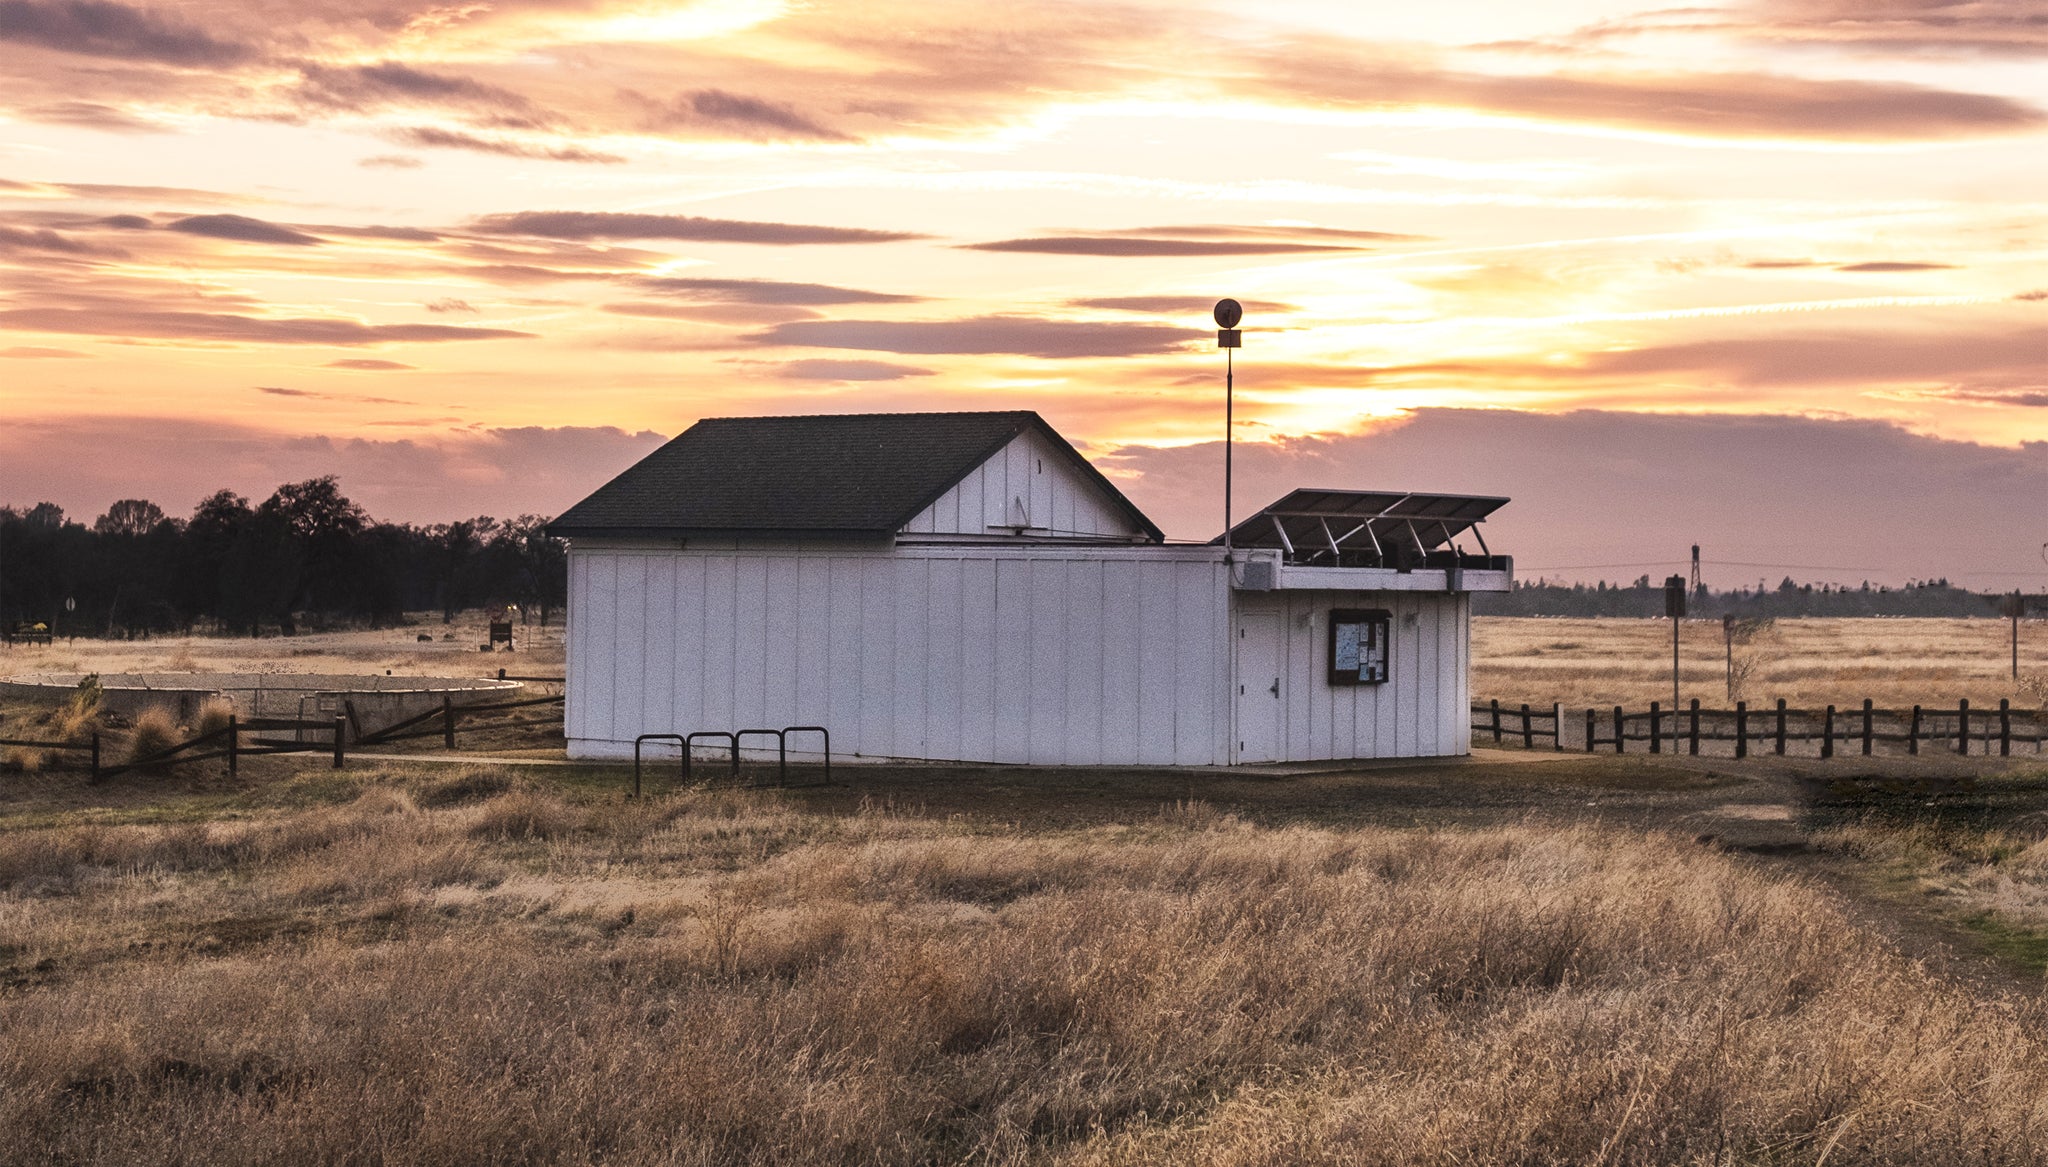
x,y
130,516
44,514
302,538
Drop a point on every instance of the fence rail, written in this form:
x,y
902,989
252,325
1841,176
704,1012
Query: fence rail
x,y
1777,728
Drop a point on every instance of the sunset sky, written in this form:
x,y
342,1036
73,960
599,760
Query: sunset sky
x,y
1768,276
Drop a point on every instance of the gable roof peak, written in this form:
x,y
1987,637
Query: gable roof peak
x,y
853,475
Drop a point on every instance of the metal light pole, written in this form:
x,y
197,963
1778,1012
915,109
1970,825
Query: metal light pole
x,y
1228,313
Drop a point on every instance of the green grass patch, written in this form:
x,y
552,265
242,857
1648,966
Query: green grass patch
x,y
2023,947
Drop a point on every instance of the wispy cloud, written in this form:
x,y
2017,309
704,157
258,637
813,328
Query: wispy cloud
x,y
1200,240
436,137
825,369
1732,105
221,326
1017,335
242,229
1887,265
755,291
100,28
618,225
93,115
717,109
369,365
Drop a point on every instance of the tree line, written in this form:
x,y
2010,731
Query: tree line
x,y
306,557
1936,597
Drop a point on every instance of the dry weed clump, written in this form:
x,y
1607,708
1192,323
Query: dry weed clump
x,y
727,979
214,715
524,815
154,731
471,784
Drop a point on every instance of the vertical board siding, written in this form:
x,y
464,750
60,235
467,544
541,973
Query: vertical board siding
x,y
974,654
1057,496
1416,713
1075,656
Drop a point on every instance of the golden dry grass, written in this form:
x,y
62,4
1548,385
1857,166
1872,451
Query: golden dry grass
x,y
473,969
373,651
1810,663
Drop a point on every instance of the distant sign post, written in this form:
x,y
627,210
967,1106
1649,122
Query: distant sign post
x,y
2015,606
1674,607
1728,642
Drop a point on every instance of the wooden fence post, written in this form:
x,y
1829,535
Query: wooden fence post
x,y
1913,732
1656,729
1742,729
2004,728
1963,727
1528,729
1827,733
1781,727
340,737
234,744
1557,726
1620,736
1589,731
1867,722
1694,749
1494,707
448,722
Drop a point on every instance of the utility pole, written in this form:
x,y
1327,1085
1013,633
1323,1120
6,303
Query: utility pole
x,y
1229,339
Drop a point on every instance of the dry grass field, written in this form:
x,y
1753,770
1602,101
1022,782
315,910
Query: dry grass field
x,y
1567,959
446,965
1810,663
450,650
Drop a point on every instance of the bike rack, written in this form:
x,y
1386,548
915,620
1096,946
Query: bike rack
x,y
688,741
658,737
821,731
690,746
781,749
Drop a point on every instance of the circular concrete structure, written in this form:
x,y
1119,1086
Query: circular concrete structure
x,y
374,700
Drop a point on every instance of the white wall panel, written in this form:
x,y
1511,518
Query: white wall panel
x,y
1416,713
1056,495
1082,655
1076,655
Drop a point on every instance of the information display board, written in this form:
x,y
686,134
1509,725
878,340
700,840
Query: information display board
x,y
1358,645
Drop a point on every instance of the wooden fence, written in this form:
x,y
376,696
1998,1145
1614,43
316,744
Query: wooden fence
x,y
226,742
445,721
331,737
1958,730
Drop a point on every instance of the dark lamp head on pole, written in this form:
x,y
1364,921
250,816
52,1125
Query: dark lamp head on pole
x,y
1228,313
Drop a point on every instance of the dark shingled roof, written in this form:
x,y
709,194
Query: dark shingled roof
x,y
860,475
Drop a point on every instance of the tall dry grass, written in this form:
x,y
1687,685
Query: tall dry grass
x,y
727,979
1811,663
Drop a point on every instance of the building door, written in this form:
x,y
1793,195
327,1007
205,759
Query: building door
x,y
1259,686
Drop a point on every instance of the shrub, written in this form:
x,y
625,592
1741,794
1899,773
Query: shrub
x,y
214,715
155,731
27,759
